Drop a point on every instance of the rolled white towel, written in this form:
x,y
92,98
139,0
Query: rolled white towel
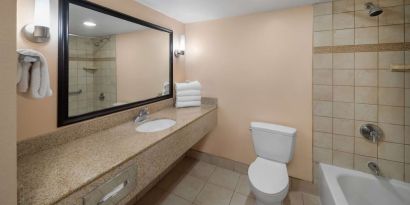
x,y
188,98
188,104
194,85
188,93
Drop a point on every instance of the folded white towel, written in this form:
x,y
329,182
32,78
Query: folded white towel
x,y
194,85
40,79
188,98
188,93
188,104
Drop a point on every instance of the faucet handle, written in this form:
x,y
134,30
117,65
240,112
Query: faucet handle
x,y
371,132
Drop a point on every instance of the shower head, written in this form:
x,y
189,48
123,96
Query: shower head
x,y
373,9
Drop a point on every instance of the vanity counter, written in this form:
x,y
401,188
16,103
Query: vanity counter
x,y
51,175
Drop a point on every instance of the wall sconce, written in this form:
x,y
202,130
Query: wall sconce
x,y
181,50
39,31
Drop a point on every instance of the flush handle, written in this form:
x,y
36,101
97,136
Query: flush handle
x,y
371,132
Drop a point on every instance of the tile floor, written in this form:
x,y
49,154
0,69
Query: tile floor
x,y
194,182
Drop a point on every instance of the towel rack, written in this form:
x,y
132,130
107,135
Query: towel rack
x,y
76,92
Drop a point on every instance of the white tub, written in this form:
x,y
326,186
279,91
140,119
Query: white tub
x,y
339,186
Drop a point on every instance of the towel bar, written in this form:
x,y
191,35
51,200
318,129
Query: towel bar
x,y
76,92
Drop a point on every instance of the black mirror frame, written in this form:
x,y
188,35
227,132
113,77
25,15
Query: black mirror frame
x,y
63,117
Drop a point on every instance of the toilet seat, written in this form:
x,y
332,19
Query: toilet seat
x,y
269,177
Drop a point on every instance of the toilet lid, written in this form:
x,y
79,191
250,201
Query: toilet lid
x,y
268,176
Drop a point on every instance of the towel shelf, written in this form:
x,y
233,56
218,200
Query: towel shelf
x,y
76,92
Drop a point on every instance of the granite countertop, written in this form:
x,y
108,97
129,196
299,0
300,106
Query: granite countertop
x,y
50,175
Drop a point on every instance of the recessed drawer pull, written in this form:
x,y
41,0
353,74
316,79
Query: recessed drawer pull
x,y
113,193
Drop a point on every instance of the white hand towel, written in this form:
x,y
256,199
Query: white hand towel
x,y
194,85
188,93
40,79
23,72
188,104
188,98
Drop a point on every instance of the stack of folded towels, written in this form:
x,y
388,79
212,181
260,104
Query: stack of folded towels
x,y
188,94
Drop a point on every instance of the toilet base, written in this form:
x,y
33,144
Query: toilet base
x,y
261,203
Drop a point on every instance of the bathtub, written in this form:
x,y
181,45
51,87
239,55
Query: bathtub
x,y
339,186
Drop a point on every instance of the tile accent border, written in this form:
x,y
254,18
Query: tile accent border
x,y
363,48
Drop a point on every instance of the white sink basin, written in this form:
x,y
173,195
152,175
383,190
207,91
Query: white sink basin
x,y
156,125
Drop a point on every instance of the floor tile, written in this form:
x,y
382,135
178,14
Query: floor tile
x,y
225,178
186,164
189,187
172,199
294,198
153,197
170,180
239,199
243,187
214,195
309,199
202,170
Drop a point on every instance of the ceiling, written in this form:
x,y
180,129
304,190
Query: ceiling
x,y
106,25
189,11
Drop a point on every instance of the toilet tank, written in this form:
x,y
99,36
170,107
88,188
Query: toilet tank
x,y
273,142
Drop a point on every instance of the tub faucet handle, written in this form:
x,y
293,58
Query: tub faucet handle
x,y
371,132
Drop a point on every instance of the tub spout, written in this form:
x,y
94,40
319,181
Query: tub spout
x,y
374,168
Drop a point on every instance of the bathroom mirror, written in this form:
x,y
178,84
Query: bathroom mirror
x,y
109,62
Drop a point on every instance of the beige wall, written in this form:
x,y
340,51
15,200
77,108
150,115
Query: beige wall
x,y
142,64
8,161
37,117
259,68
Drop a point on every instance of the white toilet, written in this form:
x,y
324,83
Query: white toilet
x,y
268,175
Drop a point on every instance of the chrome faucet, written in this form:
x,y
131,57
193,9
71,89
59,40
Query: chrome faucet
x,y
374,168
142,115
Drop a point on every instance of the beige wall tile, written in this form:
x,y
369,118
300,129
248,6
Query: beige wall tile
x,y
365,78
359,4
407,116
322,155
360,163
343,93
407,173
322,61
343,6
343,127
406,1
367,35
343,110
391,151
407,13
322,23
322,38
390,57
366,112
322,92
362,19
390,79
407,97
407,153
322,108
343,20
386,3
391,34
366,60
322,124
322,77
391,96
392,133
343,37
343,159
392,15
407,32
407,135
343,77
323,140
391,169
343,143
322,9
392,115
364,147
343,61
407,79
366,95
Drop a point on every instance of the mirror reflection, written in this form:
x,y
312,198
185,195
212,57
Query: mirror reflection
x,y
113,62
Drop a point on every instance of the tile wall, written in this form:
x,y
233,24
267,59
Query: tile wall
x,y
353,85
97,53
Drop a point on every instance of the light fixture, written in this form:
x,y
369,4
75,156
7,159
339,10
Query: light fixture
x,y
181,50
89,23
39,30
